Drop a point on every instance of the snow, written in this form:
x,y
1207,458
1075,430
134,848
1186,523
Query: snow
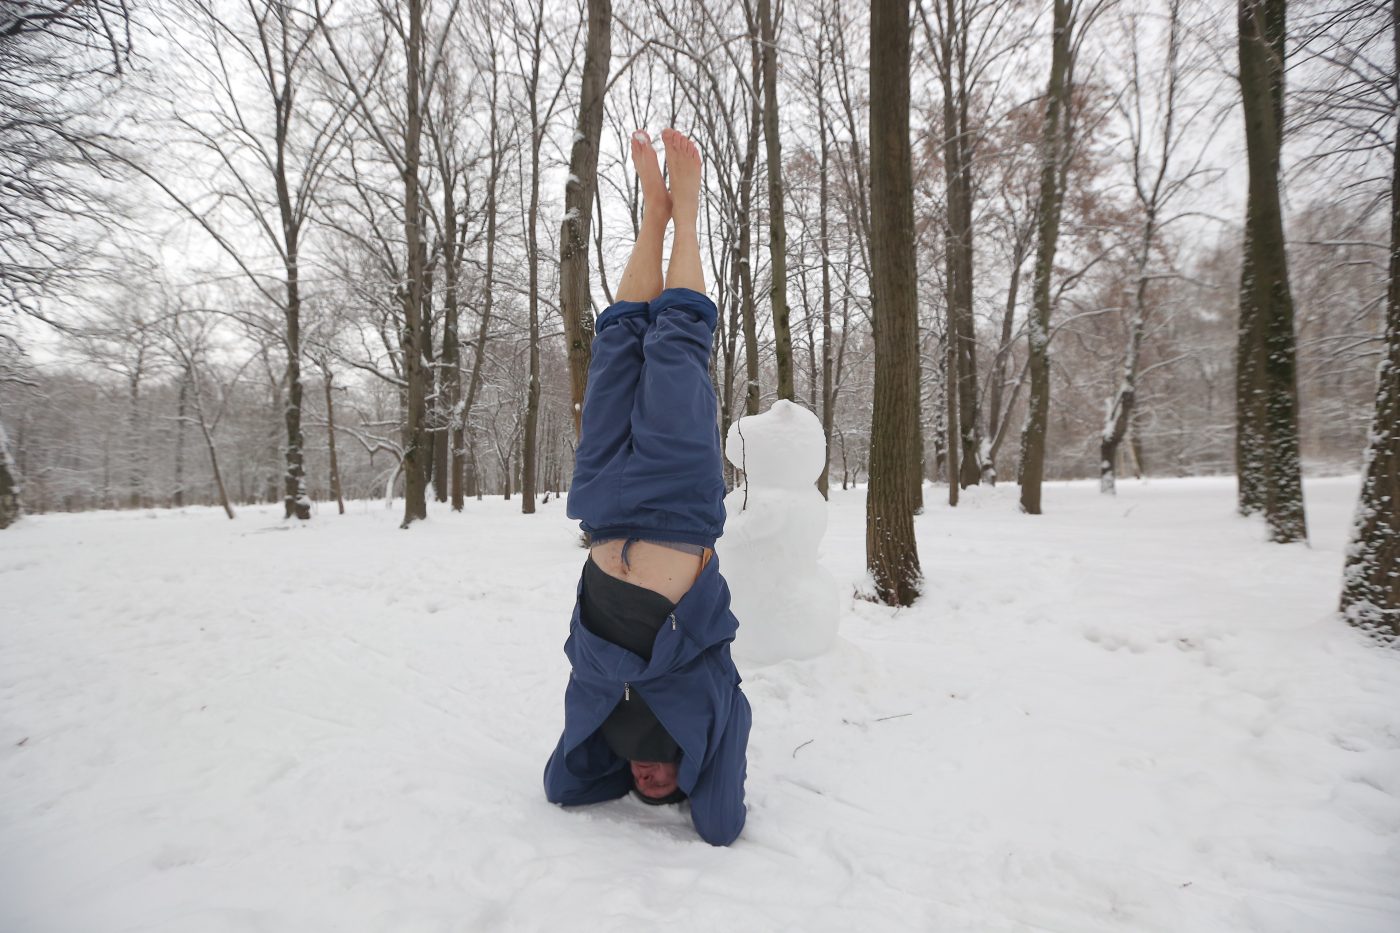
x,y
773,530
1128,714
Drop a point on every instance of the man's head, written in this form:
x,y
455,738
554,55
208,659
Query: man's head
x,y
655,780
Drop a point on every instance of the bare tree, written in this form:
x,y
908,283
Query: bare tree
x,y
188,336
777,223
1266,396
273,173
496,142
967,40
833,352
1072,19
891,551
56,61
1161,115
401,144
579,193
1350,110
13,375
1371,591
532,44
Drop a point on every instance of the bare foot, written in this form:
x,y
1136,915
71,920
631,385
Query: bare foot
x,y
656,198
683,162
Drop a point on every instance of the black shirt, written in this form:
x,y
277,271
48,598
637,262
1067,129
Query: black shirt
x,y
628,616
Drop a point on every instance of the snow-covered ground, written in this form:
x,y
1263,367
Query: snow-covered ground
x,y
1128,714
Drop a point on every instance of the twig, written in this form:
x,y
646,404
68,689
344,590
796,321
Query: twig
x,y
802,746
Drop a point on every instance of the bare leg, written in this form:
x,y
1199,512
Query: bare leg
x,y
641,280
683,162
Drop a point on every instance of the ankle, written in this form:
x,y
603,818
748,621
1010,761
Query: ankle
x,y
656,212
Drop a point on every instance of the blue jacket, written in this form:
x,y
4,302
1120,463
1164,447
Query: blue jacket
x,y
648,466
691,685
648,463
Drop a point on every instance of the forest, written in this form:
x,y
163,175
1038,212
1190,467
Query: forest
x,y
305,252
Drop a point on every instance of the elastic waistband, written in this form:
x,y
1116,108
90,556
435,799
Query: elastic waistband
x,y
697,549
665,537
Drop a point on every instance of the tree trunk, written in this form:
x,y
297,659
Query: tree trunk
x,y
1267,392
273,484
177,498
777,223
578,203
1371,579
435,423
449,469
135,473
412,337
336,493
1119,411
730,347
746,220
996,429
529,454
957,165
488,285
295,502
1054,151
9,483
895,470
824,203
951,388
209,445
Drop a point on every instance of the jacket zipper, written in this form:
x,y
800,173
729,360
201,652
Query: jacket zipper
x,y
627,687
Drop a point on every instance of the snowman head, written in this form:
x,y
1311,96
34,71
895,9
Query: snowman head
x,y
782,447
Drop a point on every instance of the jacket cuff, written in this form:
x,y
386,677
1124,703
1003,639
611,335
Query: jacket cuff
x,y
618,310
698,304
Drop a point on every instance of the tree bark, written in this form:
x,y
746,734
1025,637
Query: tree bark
x,y
10,485
824,203
744,259
951,390
1152,199
958,239
996,423
1119,410
488,283
1371,579
1266,387
1054,150
412,336
529,452
449,468
336,494
895,471
208,433
177,498
777,222
578,203
135,467
294,499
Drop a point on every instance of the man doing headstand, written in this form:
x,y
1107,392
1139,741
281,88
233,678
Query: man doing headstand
x,y
653,703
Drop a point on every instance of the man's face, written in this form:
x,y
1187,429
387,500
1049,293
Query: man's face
x,y
655,778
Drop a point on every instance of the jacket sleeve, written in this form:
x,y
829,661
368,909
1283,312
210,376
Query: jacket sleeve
x,y
591,774
717,800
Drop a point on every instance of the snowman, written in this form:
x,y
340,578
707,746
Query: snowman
x,y
785,600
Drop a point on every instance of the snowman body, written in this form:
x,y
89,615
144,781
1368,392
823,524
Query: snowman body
x,y
786,601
